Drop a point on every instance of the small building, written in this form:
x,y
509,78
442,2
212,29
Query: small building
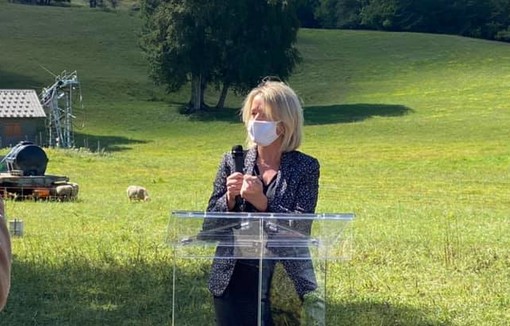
x,y
22,117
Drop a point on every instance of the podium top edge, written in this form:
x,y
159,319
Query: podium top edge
x,y
258,215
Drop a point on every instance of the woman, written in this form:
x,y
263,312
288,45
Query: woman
x,y
276,178
5,257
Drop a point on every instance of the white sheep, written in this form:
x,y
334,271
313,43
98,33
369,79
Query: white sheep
x,y
76,189
137,193
64,191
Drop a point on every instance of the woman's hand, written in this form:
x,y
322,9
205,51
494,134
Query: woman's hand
x,y
234,185
252,191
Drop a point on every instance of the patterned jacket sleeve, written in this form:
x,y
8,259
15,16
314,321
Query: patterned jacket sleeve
x,y
309,189
308,193
218,199
301,193
218,202
305,185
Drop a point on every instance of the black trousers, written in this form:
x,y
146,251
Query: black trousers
x,y
238,305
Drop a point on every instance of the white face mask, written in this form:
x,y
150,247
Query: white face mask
x,y
262,133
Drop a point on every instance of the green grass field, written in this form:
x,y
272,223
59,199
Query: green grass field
x,y
411,131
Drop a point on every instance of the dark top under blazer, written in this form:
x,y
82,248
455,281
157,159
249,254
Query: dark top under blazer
x,y
296,191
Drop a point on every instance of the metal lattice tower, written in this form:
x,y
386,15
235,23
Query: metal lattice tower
x,y
57,101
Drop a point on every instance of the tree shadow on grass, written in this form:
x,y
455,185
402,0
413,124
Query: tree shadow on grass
x,y
76,293
97,143
140,293
347,113
209,114
317,115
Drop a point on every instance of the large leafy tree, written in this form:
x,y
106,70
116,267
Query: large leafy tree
x,y
227,43
175,40
260,42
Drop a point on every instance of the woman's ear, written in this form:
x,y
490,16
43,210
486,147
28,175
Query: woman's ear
x,y
280,129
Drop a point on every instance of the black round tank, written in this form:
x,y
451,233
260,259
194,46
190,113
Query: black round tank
x,y
27,157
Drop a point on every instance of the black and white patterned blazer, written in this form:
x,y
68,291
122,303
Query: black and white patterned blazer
x,y
296,191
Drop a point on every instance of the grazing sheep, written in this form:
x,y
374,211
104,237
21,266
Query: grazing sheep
x,y
76,189
137,193
64,192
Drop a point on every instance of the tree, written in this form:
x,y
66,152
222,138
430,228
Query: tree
x,y
378,14
306,13
327,13
175,41
260,43
227,43
349,14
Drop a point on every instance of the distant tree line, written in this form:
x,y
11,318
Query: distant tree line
x,y
92,3
39,2
487,19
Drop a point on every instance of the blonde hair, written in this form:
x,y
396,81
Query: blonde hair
x,y
281,104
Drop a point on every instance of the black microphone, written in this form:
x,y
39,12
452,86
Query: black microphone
x,y
238,156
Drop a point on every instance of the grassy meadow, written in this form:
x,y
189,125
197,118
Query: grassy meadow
x,y
412,132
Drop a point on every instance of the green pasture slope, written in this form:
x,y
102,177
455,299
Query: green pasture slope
x,y
412,132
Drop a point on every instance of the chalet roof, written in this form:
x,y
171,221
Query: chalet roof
x,y
20,103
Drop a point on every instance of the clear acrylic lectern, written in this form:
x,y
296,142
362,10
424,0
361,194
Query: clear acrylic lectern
x,y
271,238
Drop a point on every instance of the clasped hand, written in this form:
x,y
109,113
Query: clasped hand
x,y
249,187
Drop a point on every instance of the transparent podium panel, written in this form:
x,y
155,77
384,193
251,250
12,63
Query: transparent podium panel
x,y
269,265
